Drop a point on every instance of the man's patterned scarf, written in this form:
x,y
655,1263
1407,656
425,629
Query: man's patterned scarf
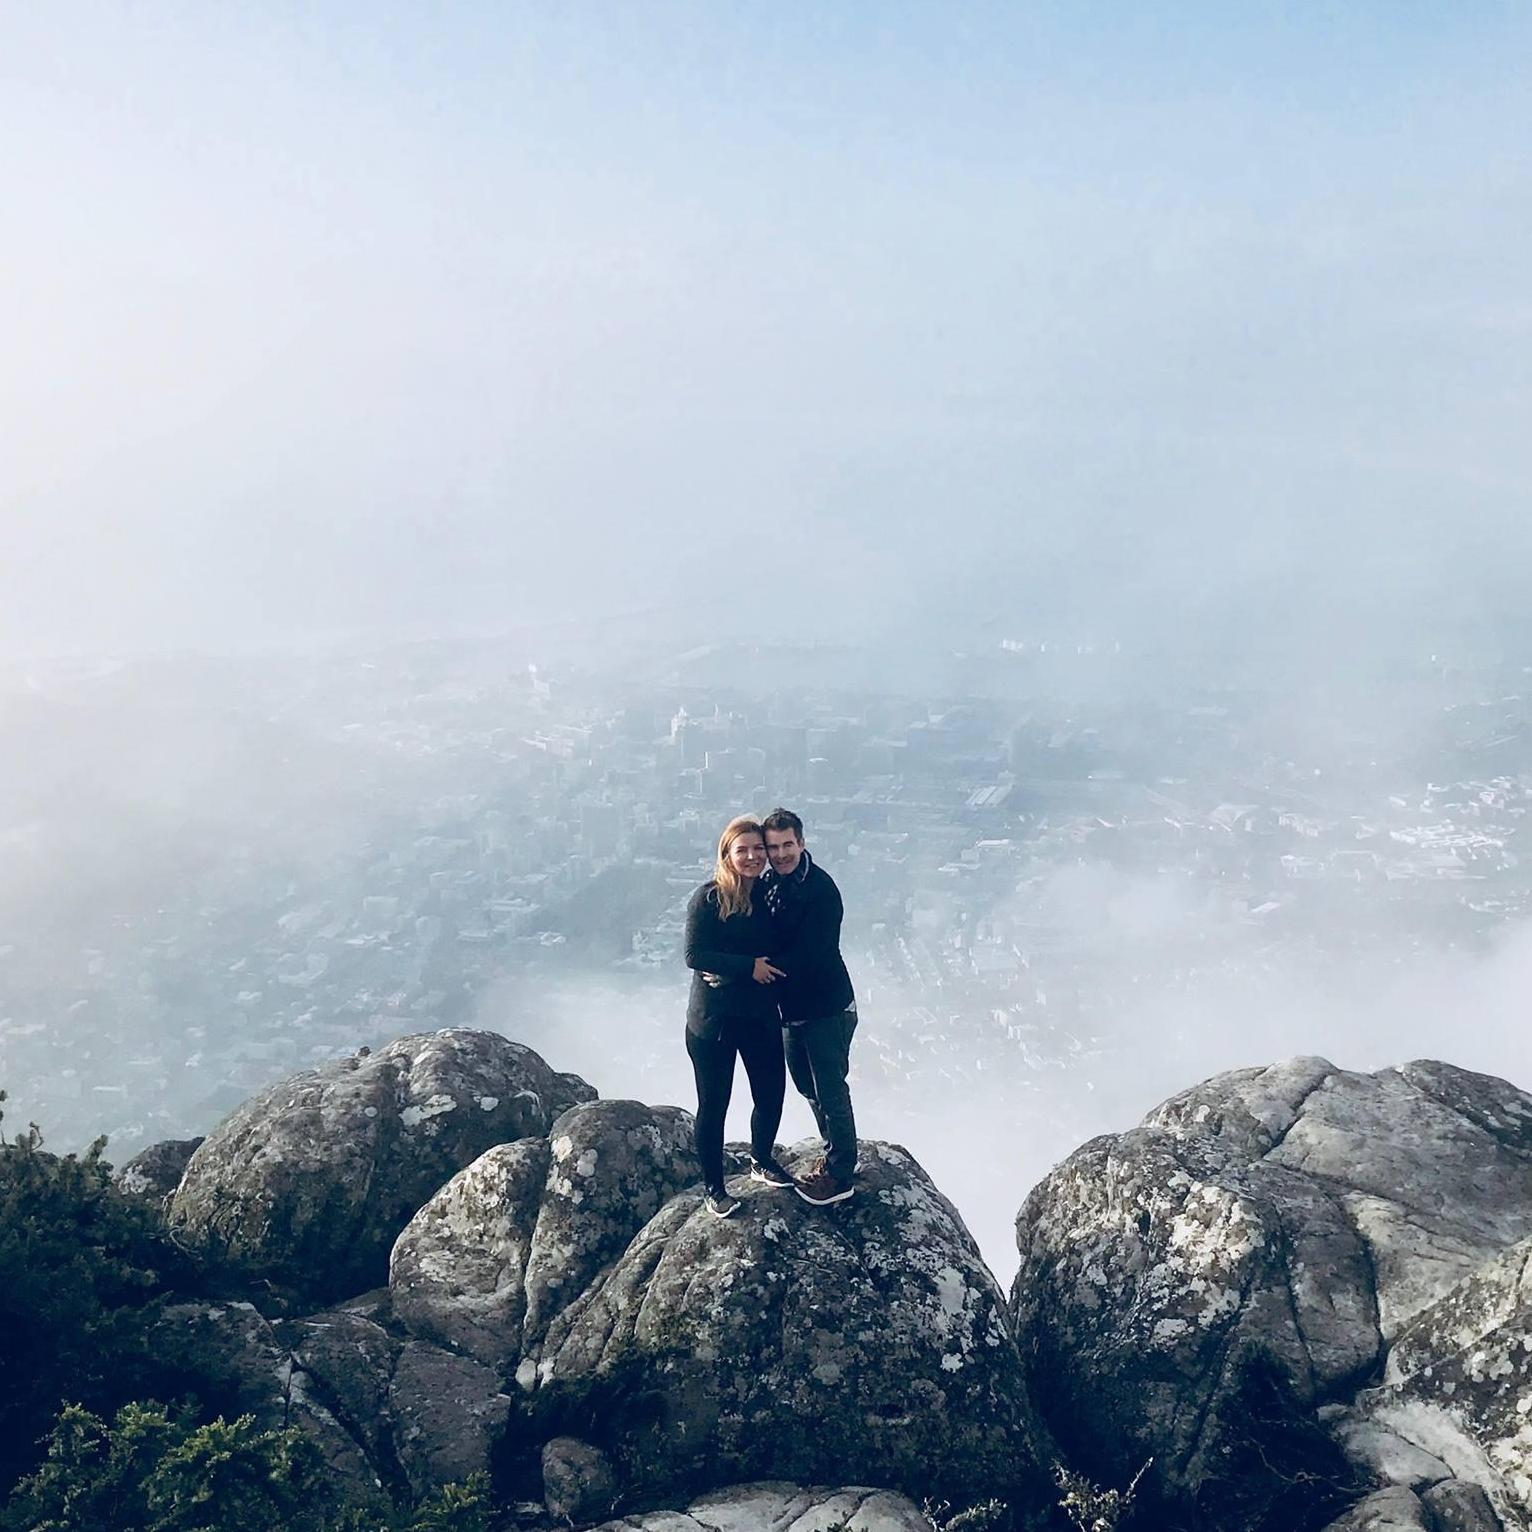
x,y
776,887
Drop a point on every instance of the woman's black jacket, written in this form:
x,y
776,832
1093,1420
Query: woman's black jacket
x,y
729,949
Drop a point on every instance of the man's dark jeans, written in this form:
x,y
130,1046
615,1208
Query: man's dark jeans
x,y
760,1049
818,1057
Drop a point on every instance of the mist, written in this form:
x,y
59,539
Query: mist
x,y
450,463
1232,1000
379,321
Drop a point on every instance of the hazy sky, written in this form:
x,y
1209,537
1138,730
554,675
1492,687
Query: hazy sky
x,y
315,317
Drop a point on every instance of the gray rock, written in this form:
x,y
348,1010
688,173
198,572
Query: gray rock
x,y
779,1507
1290,1221
1388,1510
309,1183
615,1164
153,1174
1387,1456
1459,1386
509,1241
350,1357
426,1416
1459,1507
231,1355
457,1273
578,1483
449,1415
865,1340
1483,1303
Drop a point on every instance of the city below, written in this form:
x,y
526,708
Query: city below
x,y
1053,901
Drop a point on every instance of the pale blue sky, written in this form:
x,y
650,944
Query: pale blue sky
x,y
316,317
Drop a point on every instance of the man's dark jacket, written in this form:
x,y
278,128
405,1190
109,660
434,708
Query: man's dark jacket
x,y
805,944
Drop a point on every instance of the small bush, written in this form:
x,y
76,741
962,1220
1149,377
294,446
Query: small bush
x,y
464,1507
1091,1508
154,1470
149,1471
983,1516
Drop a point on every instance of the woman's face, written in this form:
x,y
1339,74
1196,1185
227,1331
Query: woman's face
x,y
747,855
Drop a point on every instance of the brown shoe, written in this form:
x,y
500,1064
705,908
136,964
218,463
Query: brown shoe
x,y
820,1188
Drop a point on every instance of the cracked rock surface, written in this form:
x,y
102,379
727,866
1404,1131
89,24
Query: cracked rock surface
x,y
1217,1286
513,1238
235,1355
866,1340
1458,1390
309,1183
778,1507
389,1413
427,1416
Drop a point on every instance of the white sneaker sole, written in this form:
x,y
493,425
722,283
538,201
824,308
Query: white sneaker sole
x,y
824,1202
766,1180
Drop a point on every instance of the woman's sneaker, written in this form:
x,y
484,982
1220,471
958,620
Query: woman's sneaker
x,y
821,1188
771,1173
719,1203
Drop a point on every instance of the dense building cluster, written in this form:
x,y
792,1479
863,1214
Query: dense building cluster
x,y
421,837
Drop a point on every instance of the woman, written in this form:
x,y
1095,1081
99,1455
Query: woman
x,y
731,1010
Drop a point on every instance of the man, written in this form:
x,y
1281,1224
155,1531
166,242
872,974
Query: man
x,y
817,1002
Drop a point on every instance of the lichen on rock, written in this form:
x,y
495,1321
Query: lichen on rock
x,y
309,1183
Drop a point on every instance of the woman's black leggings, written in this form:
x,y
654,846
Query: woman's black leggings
x,y
759,1044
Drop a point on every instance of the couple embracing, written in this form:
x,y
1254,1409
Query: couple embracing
x,y
769,986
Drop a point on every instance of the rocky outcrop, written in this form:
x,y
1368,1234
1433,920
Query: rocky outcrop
x,y
153,1174
230,1355
488,1262
1455,1407
867,1340
308,1184
1305,1292
777,1507
1447,1507
426,1416
390,1414
786,1341
565,1301
1222,1287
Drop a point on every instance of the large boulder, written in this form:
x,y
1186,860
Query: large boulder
x,y
308,1184
866,1341
1216,1287
1387,1510
777,1507
510,1240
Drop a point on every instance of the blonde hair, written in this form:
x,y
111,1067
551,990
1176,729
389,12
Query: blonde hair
x,y
733,891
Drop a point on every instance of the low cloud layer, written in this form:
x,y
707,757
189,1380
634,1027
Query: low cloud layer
x,y
1212,996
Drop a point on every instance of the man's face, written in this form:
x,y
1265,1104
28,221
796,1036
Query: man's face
x,y
785,850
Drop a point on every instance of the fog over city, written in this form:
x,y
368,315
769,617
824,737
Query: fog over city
x,y
450,462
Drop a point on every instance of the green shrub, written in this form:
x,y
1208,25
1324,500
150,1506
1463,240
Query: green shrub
x,y
78,1260
152,1472
465,1507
